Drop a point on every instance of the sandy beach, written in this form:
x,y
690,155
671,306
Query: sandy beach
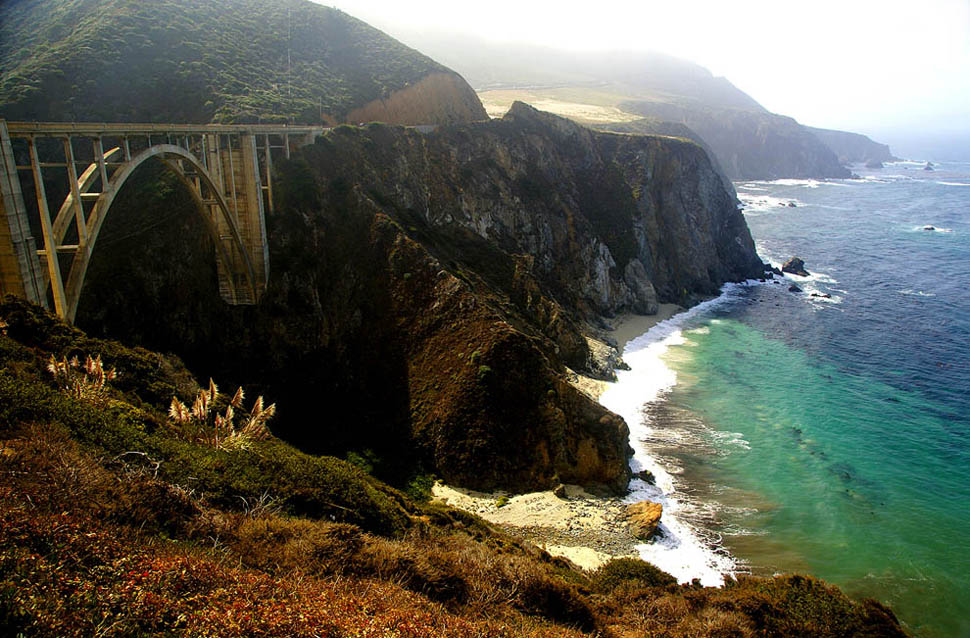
x,y
587,530
628,327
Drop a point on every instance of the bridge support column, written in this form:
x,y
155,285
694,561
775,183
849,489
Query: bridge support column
x,y
234,164
20,270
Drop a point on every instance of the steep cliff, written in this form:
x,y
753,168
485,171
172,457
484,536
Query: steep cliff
x,y
654,126
219,60
751,144
427,291
852,147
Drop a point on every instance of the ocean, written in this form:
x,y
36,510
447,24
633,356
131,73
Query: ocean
x,y
823,435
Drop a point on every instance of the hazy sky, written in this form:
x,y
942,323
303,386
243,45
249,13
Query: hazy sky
x,y
862,65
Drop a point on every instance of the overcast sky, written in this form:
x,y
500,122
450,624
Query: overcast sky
x,y
862,65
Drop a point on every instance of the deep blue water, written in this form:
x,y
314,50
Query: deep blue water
x,y
836,432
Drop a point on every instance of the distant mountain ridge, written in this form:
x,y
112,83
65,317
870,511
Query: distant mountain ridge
x,y
219,60
750,144
748,141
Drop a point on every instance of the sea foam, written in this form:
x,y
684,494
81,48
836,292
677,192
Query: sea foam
x,y
682,550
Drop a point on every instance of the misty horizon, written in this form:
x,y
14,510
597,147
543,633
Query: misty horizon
x,y
897,75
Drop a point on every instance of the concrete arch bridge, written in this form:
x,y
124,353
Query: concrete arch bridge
x,y
227,168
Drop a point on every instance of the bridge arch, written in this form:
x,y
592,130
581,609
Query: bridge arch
x,y
173,157
228,169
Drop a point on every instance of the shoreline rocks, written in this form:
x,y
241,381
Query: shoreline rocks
x,y
795,266
644,518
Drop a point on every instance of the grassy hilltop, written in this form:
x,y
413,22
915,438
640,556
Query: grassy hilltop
x,y
188,61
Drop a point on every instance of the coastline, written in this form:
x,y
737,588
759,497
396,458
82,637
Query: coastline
x,y
585,529
628,326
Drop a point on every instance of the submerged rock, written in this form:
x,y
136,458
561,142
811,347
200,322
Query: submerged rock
x,y
928,167
928,227
795,266
643,518
794,288
874,164
823,295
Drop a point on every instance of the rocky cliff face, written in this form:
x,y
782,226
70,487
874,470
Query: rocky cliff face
x,y
853,148
607,222
653,126
752,144
427,291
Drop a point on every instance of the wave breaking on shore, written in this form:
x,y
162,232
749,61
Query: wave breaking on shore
x,y
683,550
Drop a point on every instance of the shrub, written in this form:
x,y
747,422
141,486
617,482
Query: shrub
x,y
316,547
419,488
630,571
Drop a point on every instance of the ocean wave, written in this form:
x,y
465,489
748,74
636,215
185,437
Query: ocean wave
x,y
814,276
953,183
916,293
928,228
685,550
730,439
767,203
807,183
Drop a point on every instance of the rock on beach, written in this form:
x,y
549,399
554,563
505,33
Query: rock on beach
x,y
643,518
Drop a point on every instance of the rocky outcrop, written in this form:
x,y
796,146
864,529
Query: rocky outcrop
x,y
428,290
852,148
438,98
795,266
644,518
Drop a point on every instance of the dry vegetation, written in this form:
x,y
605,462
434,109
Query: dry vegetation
x,y
104,530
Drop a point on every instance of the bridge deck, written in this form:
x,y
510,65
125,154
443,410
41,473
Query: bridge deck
x,y
95,129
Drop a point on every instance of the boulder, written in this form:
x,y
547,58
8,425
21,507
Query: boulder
x,y
646,476
643,518
795,266
792,205
559,491
823,295
928,227
928,167
794,288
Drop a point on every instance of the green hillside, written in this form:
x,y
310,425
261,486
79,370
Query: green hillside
x,y
183,60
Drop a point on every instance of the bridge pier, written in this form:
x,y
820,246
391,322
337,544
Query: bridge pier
x,y
20,272
225,167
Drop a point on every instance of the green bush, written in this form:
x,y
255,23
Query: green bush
x,y
630,571
419,488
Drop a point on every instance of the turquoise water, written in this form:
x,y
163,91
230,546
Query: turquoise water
x,y
831,436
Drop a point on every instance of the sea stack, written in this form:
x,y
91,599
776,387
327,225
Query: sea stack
x,y
795,266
